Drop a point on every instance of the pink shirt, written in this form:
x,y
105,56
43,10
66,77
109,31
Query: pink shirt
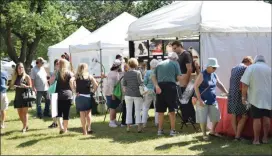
x,y
112,78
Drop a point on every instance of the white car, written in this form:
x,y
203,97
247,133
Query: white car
x,y
9,67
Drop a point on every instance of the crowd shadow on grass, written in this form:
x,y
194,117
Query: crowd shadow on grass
x,y
119,134
32,111
27,136
17,131
179,144
220,146
35,141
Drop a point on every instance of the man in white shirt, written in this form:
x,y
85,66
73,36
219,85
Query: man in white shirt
x,y
40,86
257,92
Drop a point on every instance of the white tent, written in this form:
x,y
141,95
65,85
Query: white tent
x,y
109,40
58,49
228,30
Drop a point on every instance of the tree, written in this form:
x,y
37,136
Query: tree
x,y
147,6
94,14
269,1
29,22
28,28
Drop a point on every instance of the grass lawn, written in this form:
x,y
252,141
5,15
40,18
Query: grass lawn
x,y
40,140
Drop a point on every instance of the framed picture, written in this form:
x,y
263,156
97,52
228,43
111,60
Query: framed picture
x,y
140,48
167,47
155,47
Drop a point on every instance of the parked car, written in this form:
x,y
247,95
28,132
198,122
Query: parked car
x,y
9,67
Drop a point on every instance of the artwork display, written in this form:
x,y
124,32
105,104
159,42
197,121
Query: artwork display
x,y
140,48
155,47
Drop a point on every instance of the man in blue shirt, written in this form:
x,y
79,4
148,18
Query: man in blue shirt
x,y
4,97
164,79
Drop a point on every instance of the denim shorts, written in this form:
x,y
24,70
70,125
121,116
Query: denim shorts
x,y
83,103
113,104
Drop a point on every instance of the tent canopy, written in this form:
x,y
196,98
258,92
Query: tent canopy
x,y
189,18
74,38
112,33
109,40
58,49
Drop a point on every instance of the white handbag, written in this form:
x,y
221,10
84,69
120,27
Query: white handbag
x,y
142,87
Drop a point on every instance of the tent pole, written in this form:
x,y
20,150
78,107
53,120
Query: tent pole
x,y
101,68
148,54
200,53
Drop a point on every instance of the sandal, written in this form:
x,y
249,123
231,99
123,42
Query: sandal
x,y
90,132
140,131
205,138
238,139
254,143
264,142
215,135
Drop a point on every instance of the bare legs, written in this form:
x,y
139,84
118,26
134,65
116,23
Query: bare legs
x,y
172,118
238,128
266,127
257,129
112,114
83,122
85,117
23,115
161,118
3,118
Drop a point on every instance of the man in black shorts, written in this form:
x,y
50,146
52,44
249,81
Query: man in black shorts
x,y
164,79
256,90
186,63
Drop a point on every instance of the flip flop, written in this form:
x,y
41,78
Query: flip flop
x,y
205,138
256,143
264,142
215,135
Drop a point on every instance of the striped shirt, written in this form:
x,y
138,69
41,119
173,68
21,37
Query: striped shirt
x,y
131,81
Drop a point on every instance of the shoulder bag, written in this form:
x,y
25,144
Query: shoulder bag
x,y
194,98
29,95
142,87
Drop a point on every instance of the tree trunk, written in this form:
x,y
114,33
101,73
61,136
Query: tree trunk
x,y
23,50
31,51
8,40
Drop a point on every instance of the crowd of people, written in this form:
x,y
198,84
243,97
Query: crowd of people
x,y
249,92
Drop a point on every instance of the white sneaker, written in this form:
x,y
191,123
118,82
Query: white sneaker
x,y
144,125
122,125
117,123
2,126
173,133
112,125
160,132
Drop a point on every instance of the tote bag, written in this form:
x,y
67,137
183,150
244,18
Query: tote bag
x,y
53,86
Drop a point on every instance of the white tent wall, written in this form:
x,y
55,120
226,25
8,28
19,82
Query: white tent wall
x,y
89,57
230,48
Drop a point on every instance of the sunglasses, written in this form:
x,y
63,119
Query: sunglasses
x,y
214,68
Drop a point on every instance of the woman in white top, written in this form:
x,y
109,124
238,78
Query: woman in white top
x,y
112,102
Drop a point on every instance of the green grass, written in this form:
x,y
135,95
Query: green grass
x,y
40,140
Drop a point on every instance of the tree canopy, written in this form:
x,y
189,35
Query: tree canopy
x,y
28,28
